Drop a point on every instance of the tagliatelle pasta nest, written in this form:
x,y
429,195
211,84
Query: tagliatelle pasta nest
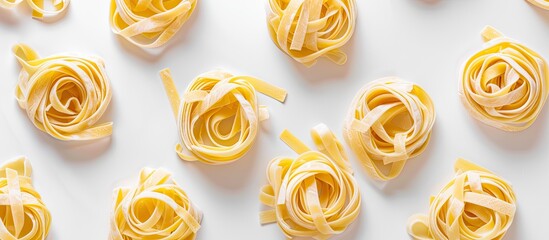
x,y
218,116
38,9
389,122
23,215
64,95
157,208
540,3
314,194
476,204
309,29
505,85
149,23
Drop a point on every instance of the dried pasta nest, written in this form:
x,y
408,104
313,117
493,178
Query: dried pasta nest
x,y
219,114
149,23
310,29
39,11
156,208
475,204
64,95
23,214
314,194
389,122
505,84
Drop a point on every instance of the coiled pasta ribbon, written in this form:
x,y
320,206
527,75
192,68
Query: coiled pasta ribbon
x,y
23,214
157,208
504,85
218,116
476,204
149,23
309,29
540,3
64,95
38,9
389,122
315,194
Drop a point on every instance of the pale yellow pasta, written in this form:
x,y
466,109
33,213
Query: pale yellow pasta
x,y
156,208
23,214
314,194
476,204
219,115
38,9
149,23
309,29
540,3
64,95
505,84
389,122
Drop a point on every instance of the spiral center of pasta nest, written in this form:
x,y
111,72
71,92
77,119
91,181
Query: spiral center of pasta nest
x,y
397,119
325,184
145,215
69,94
223,125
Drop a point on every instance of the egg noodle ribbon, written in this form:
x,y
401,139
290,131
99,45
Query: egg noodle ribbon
x,y
312,195
157,208
23,214
309,29
38,9
64,95
218,115
389,122
149,23
540,3
476,204
504,85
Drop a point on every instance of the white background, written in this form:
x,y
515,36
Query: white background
x,y
422,41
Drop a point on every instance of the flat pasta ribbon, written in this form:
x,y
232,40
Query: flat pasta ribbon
x,y
23,214
476,204
389,122
64,95
219,115
149,23
505,84
309,29
157,208
315,194
540,3
38,9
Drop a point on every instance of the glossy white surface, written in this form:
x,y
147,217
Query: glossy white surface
x,y
422,41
